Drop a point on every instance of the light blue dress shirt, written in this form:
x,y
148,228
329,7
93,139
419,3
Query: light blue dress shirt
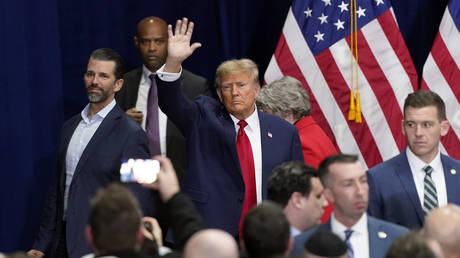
x,y
80,138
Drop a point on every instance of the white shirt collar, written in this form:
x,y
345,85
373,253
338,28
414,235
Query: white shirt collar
x,y
146,73
252,120
358,229
295,232
99,115
417,164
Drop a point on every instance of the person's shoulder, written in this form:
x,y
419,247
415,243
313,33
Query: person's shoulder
x,y
276,121
388,227
451,161
187,75
136,72
388,164
125,121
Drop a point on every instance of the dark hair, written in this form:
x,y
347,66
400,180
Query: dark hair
x,y
325,243
115,219
323,169
107,54
410,244
266,231
287,178
425,98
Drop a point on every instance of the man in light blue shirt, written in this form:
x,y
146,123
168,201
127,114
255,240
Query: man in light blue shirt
x,y
92,146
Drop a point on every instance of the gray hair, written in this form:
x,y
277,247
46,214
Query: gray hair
x,y
284,95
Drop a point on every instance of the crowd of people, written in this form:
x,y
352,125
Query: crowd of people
x,y
246,173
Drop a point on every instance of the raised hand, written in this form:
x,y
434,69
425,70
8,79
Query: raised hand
x,y
179,47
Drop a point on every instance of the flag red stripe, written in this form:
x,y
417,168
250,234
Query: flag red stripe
x,y
381,88
446,65
341,93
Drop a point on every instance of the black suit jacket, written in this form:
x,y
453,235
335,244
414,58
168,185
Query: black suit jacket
x,y
117,138
193,85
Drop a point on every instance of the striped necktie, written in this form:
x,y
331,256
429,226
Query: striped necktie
x,y
348,233
430,197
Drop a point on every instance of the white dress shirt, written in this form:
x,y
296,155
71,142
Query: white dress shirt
x,y
252,130
418,174
141,105
359,239
80,138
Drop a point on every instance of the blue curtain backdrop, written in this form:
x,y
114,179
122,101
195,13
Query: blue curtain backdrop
x,y
44,46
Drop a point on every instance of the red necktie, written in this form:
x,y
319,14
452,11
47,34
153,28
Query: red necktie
x,y
243,146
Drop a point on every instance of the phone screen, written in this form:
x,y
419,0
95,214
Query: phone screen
x,y
142,171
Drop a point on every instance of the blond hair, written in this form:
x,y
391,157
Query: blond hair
x,y
235,66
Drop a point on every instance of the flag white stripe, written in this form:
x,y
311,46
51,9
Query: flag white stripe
x,y
273,71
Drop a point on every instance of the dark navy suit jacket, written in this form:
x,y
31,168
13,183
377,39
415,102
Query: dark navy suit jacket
x,y
213,179
381,236
117,138
392,193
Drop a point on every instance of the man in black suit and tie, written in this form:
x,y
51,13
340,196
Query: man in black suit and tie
x,y
91,148
140,102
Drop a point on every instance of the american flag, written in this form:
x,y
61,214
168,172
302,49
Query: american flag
x,y
441,74
314,47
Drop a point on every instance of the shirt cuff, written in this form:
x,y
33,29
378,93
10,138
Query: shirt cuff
x,y
168,77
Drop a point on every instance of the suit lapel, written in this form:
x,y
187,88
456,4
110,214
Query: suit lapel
x,y
376,235
230,138
267,144
405,176
100,135
452,180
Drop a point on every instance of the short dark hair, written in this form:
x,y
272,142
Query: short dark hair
x,y
287,178
323,169
426,98
325,243
410,244
266,231
108,54
115,219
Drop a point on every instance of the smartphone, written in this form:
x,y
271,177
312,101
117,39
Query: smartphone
x,y
142,171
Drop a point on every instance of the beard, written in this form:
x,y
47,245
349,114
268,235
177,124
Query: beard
x,y
97,97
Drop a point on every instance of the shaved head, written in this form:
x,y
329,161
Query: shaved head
x,y
443,225
211,243
148,21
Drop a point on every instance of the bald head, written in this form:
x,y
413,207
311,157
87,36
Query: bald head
x,y
211,243
149,21
443,225
151,39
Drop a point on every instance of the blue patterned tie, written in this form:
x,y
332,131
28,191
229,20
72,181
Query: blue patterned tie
x,y
348,233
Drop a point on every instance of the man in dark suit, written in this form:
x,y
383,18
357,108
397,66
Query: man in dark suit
x,y
406,187
345,185
226,174
91,148
151,40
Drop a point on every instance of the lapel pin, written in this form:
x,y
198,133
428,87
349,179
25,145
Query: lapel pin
x,y
453,171
270,135
382,234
